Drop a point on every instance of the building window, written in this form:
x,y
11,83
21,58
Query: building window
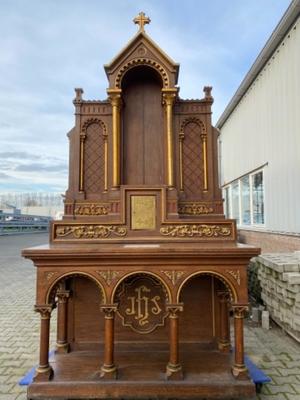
x,y
244,200
258,198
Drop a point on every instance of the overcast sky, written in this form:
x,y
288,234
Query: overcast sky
x,y
49,47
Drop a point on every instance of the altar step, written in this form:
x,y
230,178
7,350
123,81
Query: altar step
x,y
141,375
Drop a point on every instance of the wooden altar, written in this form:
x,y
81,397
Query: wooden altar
x,y
143,270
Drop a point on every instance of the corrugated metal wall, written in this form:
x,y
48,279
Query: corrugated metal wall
x,y
265,128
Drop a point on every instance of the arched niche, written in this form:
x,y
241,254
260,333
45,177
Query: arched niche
x,y
143,127
200,321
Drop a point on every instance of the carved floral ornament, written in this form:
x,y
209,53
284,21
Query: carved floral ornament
x,y
109,276
91,209
196,230
91,231
235,274
194,209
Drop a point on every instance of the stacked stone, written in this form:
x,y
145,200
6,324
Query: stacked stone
x,y
279,276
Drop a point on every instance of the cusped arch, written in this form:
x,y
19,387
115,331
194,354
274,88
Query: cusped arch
x,y
91,121
143,273
142,61
225,281
73,274
195,120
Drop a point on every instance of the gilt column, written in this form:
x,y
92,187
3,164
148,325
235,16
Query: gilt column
x,y
224,339
169,96
239,369
116,101
44,372
62,345
174,369
108,369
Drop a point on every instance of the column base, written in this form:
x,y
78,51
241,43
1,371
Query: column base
x,y
108,372
240,372
62,348
43,374
224,346
174,372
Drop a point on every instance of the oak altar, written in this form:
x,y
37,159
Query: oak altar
x,y
143,270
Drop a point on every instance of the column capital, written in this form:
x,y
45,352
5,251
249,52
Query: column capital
x,y
239,310
174,309
169,96
109,310
63,295
114,96
44,309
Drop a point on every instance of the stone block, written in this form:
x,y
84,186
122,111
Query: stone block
x,y
265,320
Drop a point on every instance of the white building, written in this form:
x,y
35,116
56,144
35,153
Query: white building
x,y
260,143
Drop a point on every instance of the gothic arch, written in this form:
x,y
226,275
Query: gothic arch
x,y
142,61
225,281
51,290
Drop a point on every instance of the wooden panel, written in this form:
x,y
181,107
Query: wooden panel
x,y
196,321
143,130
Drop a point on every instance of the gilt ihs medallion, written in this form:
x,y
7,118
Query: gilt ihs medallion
x,y
142,304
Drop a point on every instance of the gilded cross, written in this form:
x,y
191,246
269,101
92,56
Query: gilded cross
x,y
142,20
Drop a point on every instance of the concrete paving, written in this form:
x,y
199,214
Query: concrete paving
x,y
276,353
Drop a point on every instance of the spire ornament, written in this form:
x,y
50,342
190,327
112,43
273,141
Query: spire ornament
x,y
142,20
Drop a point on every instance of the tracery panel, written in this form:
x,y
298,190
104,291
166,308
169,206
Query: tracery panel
x,y
94,159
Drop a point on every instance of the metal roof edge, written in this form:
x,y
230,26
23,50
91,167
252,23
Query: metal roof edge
x,y
288,19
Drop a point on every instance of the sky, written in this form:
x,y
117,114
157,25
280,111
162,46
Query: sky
x,y
49,47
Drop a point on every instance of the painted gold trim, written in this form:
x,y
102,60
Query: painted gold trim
x,y
81,164
181,138
105,164
204,155
169,96
213,306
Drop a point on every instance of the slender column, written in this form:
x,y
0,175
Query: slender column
x,y
224,339
169,96
239,369
181,138
44,371
108,369
81,166
62,345
105,163
115,99
174,369
204,157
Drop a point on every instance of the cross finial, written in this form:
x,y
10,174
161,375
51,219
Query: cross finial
x,y
142,20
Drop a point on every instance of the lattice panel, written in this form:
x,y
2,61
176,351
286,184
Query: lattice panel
x,y
192,160
94,159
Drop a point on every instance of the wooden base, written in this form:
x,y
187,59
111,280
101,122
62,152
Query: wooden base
x,y
141,374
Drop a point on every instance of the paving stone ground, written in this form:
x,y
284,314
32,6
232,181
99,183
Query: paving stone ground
x,y
273,351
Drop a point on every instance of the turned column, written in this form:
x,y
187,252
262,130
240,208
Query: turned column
x,y
239,369
174,369
116,101
44,371
62,345
108,369
224,338
169,96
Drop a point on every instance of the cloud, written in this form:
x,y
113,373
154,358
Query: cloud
x,y
4,176
39,167
18,154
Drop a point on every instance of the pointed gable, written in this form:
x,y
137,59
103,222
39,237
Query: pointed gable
x,y
142,50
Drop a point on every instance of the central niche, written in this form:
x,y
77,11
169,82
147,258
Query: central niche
x,y
143,126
